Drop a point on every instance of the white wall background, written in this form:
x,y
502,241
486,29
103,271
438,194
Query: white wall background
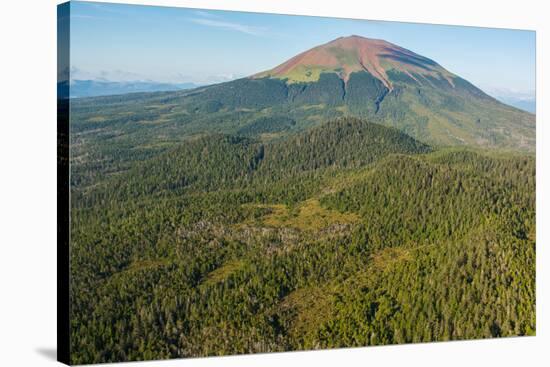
x,y
28,182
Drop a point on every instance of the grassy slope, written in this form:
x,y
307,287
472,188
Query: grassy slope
x,y
138,126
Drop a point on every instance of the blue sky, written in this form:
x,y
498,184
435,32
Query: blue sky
x,y
130,42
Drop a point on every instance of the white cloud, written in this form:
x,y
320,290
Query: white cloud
x,y
243,28
127,76
205,14
511,93
106,75
108,8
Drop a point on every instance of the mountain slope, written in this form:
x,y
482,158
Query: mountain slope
x,y
213,161
346,55
413,248
350,76
261,215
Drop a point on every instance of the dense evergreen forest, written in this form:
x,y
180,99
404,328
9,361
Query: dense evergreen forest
x,y
431,111
255,239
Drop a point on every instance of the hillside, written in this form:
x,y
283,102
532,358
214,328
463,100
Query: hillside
x,y
351,76
213,161
356,194
346,55
349,234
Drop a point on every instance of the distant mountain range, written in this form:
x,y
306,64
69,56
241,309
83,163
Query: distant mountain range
x,y
523,100
528,105
94,88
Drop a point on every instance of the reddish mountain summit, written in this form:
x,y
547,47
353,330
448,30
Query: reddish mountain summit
x,y
346,55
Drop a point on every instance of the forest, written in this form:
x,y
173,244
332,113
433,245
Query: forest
x,y
268,236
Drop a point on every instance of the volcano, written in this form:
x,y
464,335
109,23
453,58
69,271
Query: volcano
x,y
355,76
381,82
346,55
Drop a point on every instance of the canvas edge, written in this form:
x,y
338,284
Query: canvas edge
x,y
63,174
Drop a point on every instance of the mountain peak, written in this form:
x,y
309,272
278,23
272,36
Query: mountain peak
x,y
357,38
345,55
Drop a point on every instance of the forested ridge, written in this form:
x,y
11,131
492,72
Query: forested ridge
x,y
346,234
428,109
